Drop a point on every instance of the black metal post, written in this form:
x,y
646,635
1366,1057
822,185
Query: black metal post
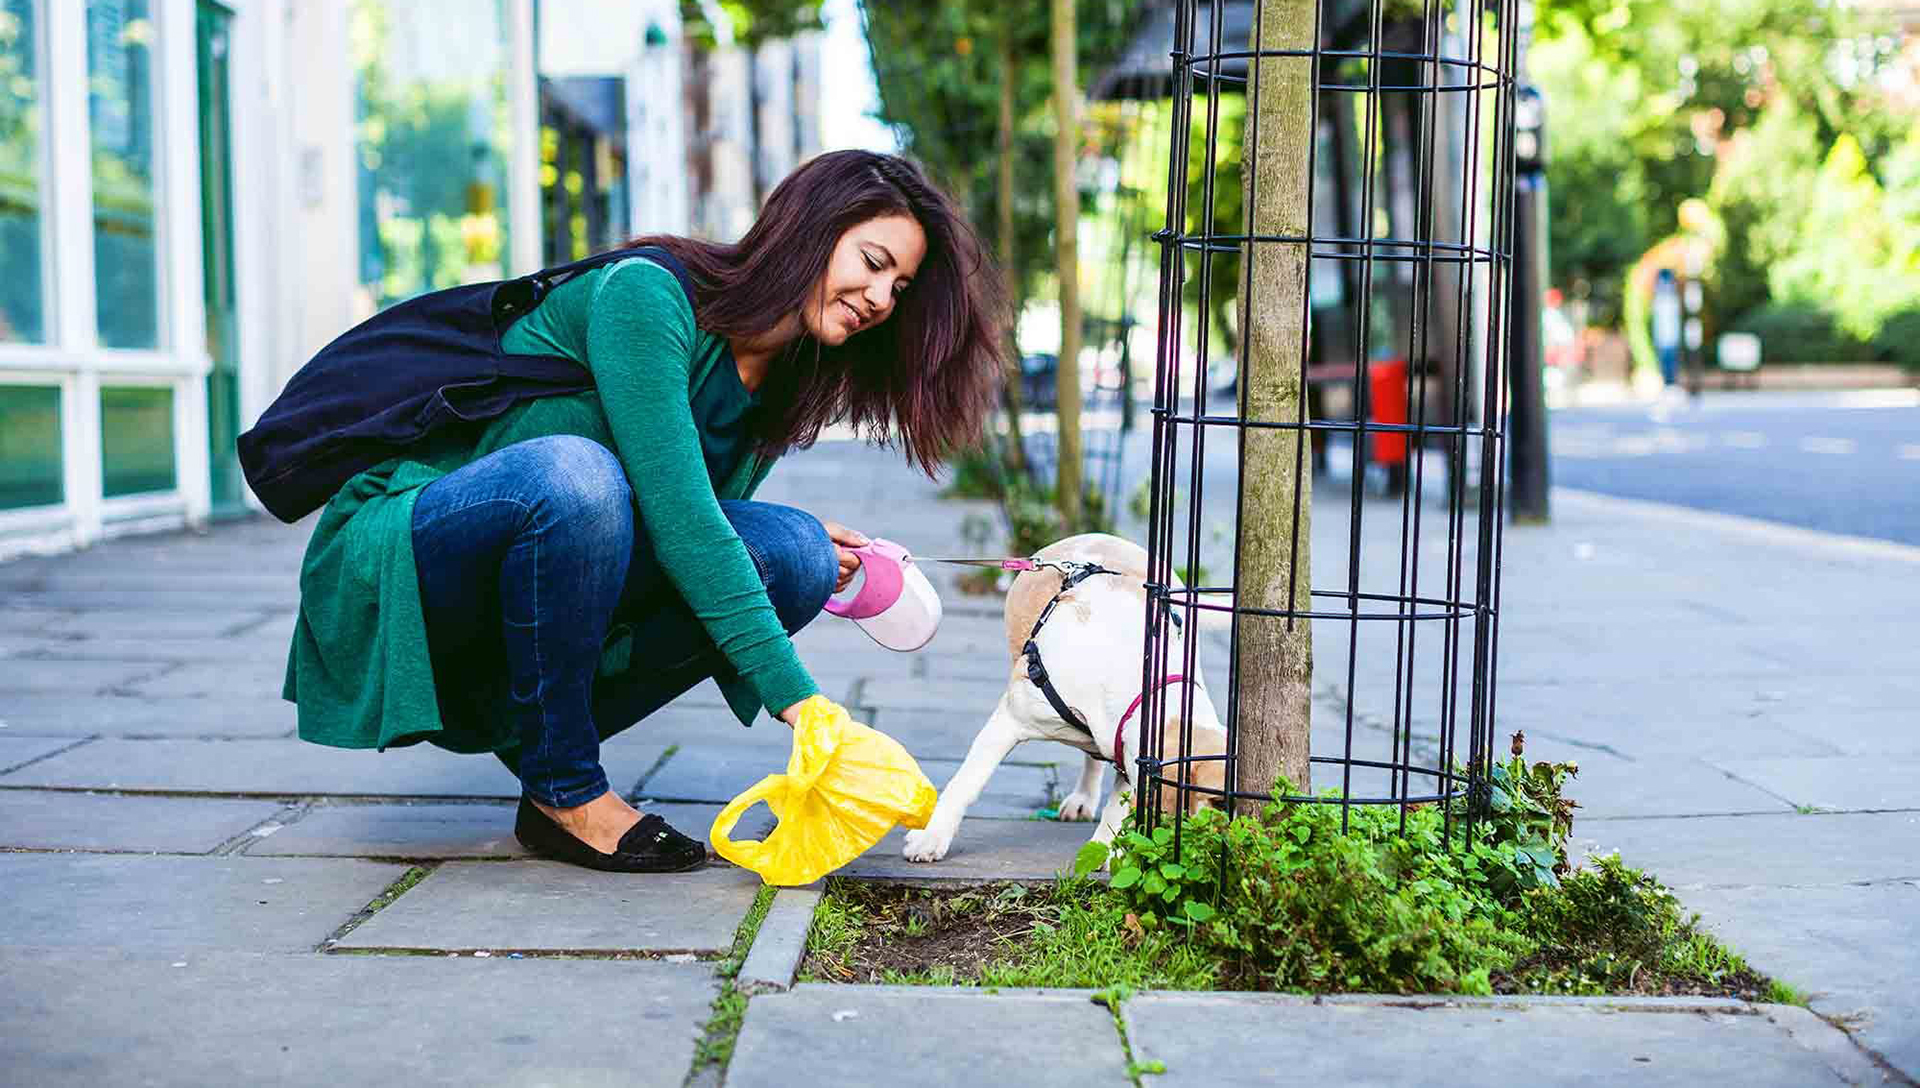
x,y
1527,409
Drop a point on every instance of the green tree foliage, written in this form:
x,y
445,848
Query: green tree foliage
x,y
938,74
1860,262
1759,192
750,21
1650,101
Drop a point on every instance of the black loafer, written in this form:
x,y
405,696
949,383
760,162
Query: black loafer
x,y
650,846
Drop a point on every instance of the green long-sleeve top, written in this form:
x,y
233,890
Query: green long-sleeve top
x,y
668,401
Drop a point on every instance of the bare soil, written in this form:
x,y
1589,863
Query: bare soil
x,y
913,932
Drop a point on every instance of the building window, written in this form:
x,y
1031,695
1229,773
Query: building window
x,y
22,310
30,470
433,131
136,440
120,108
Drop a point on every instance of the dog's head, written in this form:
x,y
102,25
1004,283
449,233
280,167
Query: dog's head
x,y
1201,748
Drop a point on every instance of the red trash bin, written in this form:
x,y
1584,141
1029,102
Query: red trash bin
x,y
1387,403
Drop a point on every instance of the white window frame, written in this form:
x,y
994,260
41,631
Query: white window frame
x,y
72,356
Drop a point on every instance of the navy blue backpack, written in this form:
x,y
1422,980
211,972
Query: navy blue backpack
x,y
396,377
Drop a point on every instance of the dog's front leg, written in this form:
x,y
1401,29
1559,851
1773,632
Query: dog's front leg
x,y
1085,798
1115,814
995,740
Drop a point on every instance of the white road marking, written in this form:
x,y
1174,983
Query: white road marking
x,y
1744,440
1828,445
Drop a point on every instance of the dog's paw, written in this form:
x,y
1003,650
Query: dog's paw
x,y
1079,806
926,845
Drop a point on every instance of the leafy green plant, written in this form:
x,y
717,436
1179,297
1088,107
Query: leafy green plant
x,y
1305,897
1528,816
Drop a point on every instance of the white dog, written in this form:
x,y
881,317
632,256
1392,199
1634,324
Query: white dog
x,y
1091,646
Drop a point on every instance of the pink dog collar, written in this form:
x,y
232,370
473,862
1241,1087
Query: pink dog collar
x,y
1120,732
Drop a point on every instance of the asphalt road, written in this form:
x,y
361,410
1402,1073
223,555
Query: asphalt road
x,y
1839,462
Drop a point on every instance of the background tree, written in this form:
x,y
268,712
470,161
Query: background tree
x,y
1739,102
968,88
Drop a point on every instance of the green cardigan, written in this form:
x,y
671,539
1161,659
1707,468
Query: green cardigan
x,y
359,666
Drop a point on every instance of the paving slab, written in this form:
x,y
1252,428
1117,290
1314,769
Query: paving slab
x,y
173,904
926,1037
1610,786
51,647
1793,849
47,714
1209,1039
17,619
256,678
59,820
984,849
15,751
74,677
426,831
717,773
82,1020
960,696
531,906
1841,783
83,595
291,768
1853,948
125,623
986,665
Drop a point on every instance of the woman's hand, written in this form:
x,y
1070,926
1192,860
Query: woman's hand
x,y
845,539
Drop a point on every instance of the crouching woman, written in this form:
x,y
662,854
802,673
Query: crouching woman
x,y
532,584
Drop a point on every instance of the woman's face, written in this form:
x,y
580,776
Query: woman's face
x,y
871,265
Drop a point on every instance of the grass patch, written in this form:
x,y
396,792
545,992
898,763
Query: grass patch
x,y
722,1030
393,891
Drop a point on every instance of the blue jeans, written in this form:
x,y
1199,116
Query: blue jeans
x,y
528,556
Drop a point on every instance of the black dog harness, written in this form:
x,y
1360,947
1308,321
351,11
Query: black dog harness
x,y
1072,574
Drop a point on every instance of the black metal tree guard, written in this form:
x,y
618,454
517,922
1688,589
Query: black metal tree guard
x,y
1403,615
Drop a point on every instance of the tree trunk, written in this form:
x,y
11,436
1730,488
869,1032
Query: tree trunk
x,y
1066,198
1275,655
1016,455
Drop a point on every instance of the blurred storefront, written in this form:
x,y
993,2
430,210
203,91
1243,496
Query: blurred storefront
x,y
196,195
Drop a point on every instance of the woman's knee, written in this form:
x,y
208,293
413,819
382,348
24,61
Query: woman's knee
x,y
577,480
797,560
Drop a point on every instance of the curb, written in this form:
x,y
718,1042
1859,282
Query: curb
x,y
777,949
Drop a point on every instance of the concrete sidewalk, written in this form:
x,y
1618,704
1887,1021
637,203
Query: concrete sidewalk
x,y
188,888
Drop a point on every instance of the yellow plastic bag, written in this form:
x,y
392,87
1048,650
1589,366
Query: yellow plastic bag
x,y
846,786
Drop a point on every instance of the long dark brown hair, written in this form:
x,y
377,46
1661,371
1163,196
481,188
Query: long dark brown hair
x,y
924,378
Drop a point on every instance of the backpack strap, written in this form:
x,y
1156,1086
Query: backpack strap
x,y
538,284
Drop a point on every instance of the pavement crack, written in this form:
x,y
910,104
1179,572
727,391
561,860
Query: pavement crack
x,y
129,688
1775,794
48,755
291,813
249,626
647,775
1587,744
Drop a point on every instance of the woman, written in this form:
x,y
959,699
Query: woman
x,y
534,584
